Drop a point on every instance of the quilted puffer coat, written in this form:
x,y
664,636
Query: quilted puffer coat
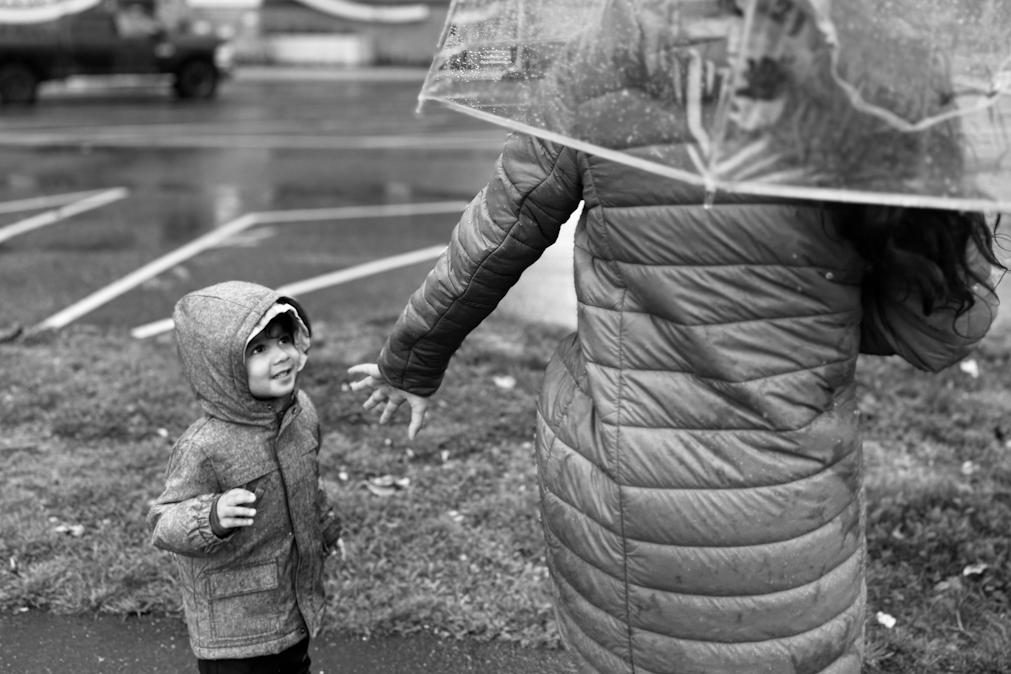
x,y
697,436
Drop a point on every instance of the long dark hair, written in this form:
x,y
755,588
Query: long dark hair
x,y
930,249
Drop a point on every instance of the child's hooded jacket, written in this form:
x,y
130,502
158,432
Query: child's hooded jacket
x,y
257,590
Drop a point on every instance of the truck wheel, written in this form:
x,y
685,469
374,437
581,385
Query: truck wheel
x,y
196,79
18,84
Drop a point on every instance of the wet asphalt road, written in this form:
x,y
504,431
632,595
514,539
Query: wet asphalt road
x,y
290,147
277,145
40,643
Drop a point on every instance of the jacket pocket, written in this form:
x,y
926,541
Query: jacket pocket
x,y
243,601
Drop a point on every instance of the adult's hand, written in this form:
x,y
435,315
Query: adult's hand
x,y
392,397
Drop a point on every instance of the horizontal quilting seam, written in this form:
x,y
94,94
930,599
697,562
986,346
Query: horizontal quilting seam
x,y
723,429
747,208
758,595
735,642
730,264
679,429
632,262
770,485
689,594
794,535
617,534
741,321
749,380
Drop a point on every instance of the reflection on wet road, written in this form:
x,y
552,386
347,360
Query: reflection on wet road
x,y
186,170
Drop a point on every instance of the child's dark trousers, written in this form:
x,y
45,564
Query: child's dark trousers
x,y
295,660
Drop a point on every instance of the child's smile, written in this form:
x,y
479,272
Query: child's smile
x,y
272,362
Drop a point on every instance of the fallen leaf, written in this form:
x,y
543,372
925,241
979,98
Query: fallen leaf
x,y
76,530
970,367
387,485
885,620
380,491
505,382
950,583
975,569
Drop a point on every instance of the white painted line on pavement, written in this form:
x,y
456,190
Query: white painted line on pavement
x,y
362,270
348,212
47,201
323,281
148,271
215,237
62,213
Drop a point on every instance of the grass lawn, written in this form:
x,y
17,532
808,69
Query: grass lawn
x,y
442,532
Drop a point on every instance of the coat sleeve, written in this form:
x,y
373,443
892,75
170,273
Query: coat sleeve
x,y
505,228
180,519
894,323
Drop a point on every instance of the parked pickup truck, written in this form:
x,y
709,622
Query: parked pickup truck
x,y
107,37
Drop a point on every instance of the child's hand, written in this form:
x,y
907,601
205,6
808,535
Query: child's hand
x,y
231,512
393,397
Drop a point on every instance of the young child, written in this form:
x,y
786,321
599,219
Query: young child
x,y
242,508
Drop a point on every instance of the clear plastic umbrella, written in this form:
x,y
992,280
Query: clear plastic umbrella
x,y
905,102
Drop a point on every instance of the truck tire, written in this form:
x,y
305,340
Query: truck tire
x,y
196,80
18,84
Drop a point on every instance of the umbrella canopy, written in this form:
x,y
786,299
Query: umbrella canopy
x,y
906,102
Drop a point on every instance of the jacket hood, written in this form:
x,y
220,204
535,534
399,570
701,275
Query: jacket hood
x,y
213,326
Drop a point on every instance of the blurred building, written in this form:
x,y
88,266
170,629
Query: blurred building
x,y
326,32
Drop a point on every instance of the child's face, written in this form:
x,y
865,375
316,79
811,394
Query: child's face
x,y
272,361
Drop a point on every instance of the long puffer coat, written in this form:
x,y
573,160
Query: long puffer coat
x,y
697,436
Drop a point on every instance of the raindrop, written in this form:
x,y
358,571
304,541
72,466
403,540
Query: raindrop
x,y
829,275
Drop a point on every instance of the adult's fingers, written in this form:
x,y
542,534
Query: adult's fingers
x,y
390,409
378,396
369,372
368,382
366,369
418,414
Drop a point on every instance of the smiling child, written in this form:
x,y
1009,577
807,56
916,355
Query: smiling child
x,y
242,508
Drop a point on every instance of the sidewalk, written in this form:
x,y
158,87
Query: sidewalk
x,y
36,642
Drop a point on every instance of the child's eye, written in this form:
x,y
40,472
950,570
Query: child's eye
x,y
255,349
285,339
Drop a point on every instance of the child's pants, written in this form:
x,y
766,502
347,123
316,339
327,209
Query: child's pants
x,y
295,660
